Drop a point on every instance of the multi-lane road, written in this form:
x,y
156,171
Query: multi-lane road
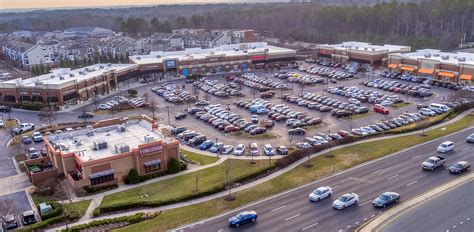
x,y
400,172
452,211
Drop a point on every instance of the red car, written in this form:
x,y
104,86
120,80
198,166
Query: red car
x,y
268,94
230,129
381,109
343,133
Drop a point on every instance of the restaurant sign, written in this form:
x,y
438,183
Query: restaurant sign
x,y
151,150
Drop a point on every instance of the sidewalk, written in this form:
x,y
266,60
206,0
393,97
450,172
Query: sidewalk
x,y
389,216
87,219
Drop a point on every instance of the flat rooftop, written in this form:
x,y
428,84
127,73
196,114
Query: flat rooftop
x,y
64,75
245,49
82,142
361,46
443,57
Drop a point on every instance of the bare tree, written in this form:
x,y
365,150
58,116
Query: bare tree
x,y
153,107
47,116
228,166
66,190
196,182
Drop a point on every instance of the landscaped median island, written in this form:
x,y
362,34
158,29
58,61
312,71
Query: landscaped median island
x,y
324,165
201,159
184,187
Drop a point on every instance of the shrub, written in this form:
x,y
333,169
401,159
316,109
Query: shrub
x,y
100,189
43,224
56,211
132,219
174,166
133,176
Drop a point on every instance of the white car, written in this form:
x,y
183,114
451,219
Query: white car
x,y
227,149
445,147
24,127
345,201
239,150
2,124
37,136
320,193
103,107
427,112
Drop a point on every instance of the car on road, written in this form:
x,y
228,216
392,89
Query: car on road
x,y
24,127
242,218
37,136
268,150
86,115
386,199
9,222
470,138
5,109
28,217
26,139
459,167
345,201
180,115
445,147
281,150
433,162
239,150
320,193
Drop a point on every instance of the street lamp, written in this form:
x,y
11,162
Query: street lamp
x,y
168,108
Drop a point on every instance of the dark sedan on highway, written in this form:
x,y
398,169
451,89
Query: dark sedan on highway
x,y
386,199
242,218
459,167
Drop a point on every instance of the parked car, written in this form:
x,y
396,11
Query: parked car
x,y
2,124
254,150
206,145
216,147
5,109
297,131
268,150
445,147
242,218
37,136
10,222
459,167
28,217
26,139
239,150
281,150
24,127
86,115
227,149
320,193
345,201
385,199
433,162
381,109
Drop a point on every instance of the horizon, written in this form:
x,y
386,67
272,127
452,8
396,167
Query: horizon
x,y
29,5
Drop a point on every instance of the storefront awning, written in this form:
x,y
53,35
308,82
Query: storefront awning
x,y
392,66
465,77
407,68
446,74
426,71
101,174
152,163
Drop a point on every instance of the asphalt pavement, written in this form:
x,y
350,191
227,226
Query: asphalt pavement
x,y
400,173
452,211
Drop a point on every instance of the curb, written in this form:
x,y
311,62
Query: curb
x,y
392,214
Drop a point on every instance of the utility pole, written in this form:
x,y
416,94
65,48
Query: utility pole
x,y
168,108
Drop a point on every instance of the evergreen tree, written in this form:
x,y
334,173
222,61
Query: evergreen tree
x,y
41,69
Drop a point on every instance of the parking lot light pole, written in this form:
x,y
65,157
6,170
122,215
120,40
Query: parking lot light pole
x,y
168,108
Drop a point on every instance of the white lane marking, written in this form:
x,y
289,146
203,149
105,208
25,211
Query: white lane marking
x,y
364,219
348,227
357,222
220,230
411,183
377,171
467,219
373,215
364,203
275,209
467,148
191,226
454,227
416,156
292,217
310,226
393,177
460,223
337,186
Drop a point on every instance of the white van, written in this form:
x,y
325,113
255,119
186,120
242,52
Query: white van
x,y
445,147
439,107
254,149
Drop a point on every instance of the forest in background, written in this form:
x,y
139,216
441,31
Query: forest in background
x,y
429,24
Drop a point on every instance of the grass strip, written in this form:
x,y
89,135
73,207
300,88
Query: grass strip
x,y
324,165
201,159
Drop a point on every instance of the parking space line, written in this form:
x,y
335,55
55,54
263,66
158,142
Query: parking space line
x,y
377,171
364,203
310,226
416,156
275,209
337,186
292,217
393,177
411,183
466,148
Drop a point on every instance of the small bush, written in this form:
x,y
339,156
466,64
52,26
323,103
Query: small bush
x,y
132,92
133,176
132,219
174,166
100,189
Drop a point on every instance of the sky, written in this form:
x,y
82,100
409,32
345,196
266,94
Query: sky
x,y
28,4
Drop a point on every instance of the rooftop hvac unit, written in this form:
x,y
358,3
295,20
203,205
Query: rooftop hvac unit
x,y
71,75
365,49
52,76
90,133
436,55
121,128
445,57
427,55
99,145
122,148
61,78
462,59
148,138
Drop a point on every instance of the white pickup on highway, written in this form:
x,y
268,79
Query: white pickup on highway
x,y
433,162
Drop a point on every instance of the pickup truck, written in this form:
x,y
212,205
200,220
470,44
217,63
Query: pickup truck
x,y
24,127
433,162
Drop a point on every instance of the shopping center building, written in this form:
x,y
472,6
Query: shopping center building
x,y
232,57
359,52
104,154
434,64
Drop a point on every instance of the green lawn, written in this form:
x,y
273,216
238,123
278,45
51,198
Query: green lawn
x,y
400,105
201,159
343,159
80,207
184,187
